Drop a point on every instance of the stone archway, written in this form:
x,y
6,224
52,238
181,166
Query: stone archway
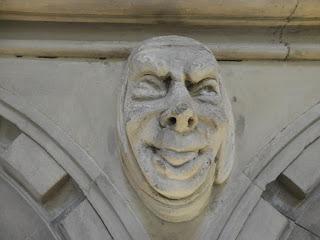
x,y
39,199
282,201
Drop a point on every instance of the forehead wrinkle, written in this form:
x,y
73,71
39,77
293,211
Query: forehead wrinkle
x,y
143,64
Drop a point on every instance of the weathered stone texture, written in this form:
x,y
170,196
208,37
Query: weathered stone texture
x,y
299,233
265,223
33,167
83,223
172,154
68,106
18,219
304,173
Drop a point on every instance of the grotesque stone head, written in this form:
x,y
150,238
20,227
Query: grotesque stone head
x,y
175,126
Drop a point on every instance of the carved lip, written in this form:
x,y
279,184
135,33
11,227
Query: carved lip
x,y
175,158
180,166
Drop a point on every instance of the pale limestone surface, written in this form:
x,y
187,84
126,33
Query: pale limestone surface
x,y
300,233
33,167
59,89
175,126
303,174
68,100
265,97
83,223
263,223
309,213
202,12
88,40
18,218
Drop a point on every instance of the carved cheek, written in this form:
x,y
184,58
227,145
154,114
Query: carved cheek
x,y
215,115
143,111
143,122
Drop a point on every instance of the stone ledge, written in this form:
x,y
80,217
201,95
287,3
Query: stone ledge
x,y
202,12
104,49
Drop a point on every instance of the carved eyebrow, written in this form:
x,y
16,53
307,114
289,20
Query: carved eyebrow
x,y
199,73
148,71
149,68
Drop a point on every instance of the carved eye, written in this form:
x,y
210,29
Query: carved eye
x,y
206,90
149,87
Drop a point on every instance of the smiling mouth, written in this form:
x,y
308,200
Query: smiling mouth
x,y
176,158
182,165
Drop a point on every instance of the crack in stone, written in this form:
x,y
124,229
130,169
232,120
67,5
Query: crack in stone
x,y
287,45
94,209
311,232
282,29
293,11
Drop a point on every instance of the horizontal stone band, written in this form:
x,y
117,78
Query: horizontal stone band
x,y
121,49
201,12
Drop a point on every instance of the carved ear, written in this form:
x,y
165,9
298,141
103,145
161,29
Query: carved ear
x,y
225,157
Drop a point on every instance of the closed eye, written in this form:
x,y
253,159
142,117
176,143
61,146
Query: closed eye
x,y
149,87
204,86
206,90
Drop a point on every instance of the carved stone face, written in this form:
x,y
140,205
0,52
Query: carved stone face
x,y
175,125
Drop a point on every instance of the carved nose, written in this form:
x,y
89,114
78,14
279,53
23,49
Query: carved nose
x,y
181,118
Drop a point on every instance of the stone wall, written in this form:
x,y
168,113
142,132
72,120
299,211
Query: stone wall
x,y
61,175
